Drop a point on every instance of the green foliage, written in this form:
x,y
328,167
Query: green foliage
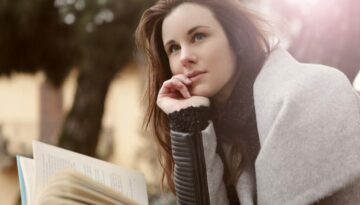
x,y
105,30
33,37
55,36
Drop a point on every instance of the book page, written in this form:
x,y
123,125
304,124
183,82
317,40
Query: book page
x,y
50,159
28,173
73,185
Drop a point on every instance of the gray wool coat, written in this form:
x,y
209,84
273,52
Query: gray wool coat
x,y
308,119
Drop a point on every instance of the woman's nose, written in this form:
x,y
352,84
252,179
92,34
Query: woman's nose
x,y
187,58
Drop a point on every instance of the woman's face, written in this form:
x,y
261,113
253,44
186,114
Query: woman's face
x,y
197,47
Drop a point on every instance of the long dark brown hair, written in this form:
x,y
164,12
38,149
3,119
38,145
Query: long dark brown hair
x,y
246,39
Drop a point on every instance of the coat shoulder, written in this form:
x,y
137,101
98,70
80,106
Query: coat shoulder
x,y
283,76
308,116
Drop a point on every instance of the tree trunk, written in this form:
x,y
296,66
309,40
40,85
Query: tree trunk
x,y
83,123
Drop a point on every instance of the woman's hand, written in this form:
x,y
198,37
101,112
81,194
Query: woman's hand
x,y
174,95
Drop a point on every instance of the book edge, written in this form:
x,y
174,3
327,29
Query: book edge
x,y
21,181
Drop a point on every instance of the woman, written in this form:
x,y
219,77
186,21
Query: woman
x,y
286,132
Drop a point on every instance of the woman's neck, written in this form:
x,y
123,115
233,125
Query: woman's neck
x,y
221,98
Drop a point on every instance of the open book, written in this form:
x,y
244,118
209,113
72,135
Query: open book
x,y
58,176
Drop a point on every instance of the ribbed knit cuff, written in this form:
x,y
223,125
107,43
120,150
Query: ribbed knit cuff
x,y
190,119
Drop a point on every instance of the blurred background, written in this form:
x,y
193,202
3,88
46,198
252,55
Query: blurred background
x,y
70,76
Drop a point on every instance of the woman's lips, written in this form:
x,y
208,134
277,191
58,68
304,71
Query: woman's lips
x,y
196,75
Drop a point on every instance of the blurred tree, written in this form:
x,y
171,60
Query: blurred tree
x,y
95,36
33,38
105,34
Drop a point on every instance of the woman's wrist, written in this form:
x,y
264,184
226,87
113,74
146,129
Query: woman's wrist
x,y
190,119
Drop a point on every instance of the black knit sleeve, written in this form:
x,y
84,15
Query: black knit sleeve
x,y
191,119
188,154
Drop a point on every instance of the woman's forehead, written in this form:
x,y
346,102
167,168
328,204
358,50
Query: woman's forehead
x,y
186,16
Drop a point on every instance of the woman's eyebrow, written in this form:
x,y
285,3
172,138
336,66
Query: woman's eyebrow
x,y
195,28
190,31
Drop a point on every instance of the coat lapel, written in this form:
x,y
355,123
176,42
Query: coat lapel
x,y
308,118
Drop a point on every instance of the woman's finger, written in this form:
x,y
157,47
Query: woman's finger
x,y
183,78
174,85
183,89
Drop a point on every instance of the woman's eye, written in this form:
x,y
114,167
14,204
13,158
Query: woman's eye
x,y
199,37
173,48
